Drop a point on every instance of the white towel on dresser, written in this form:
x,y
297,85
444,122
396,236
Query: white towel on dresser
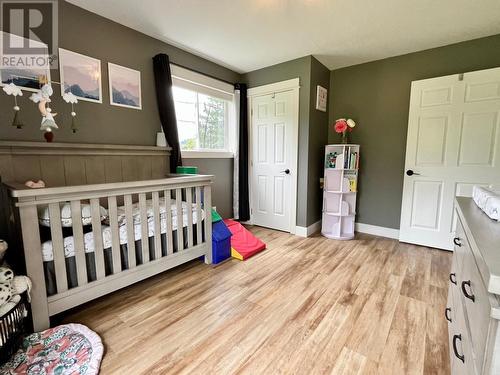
x,y
492,208
487,200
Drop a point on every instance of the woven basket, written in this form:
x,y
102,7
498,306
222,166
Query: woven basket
x,y
12,330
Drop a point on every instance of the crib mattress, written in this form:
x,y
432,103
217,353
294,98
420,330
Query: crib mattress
x,y
69,242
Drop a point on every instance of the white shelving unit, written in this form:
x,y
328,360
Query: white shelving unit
x,y
339,191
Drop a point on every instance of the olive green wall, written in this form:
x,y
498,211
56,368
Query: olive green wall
x,y
222,190
318,138
90,34
312,128
376,95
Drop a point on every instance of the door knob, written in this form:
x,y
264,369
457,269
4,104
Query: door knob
x,y
287,171
409,172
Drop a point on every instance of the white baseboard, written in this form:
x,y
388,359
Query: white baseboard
x,y
359,227
307,231
377,231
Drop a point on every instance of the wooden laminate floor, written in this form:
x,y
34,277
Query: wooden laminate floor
x,y
303,306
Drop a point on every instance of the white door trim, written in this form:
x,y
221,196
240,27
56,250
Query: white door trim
x,y
274,87
292,85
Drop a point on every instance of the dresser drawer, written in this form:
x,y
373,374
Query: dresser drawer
x,y
461,354
450,317
475,295
477,307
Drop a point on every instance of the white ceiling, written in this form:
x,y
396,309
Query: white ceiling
x,y
245,35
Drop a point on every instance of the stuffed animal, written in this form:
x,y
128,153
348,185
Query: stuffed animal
x,y
10,289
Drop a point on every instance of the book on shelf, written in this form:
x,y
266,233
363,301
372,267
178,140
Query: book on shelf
x,y
351,159
344,160
331,160
340,161
351,181
352,184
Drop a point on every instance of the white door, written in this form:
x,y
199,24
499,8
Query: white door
x,y
272,165
453,144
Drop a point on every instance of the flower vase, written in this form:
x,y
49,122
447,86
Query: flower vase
x,y
345,138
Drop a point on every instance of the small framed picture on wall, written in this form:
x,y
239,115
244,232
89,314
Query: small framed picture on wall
x,y
124,86
24,77
80,75
321,98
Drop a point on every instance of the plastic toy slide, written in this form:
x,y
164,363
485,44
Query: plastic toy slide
x,y
243,243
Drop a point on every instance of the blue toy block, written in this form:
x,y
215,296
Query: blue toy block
x,y
221,242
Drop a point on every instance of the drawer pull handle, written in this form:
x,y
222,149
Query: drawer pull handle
x,y
453,278
457,242
455,350
446,311
465,292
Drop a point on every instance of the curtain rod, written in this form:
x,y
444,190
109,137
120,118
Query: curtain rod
x,y
203,73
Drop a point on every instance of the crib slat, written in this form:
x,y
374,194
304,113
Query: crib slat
x,y
198,215
97,232
115,235
34,264
144,228
81,265
207,205
189,203
130,231
180,223
168,217
58,247
156,220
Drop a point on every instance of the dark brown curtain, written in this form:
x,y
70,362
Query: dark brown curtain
x,y
165,98
244,205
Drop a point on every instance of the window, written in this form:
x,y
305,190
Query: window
x,y
204,110
202,120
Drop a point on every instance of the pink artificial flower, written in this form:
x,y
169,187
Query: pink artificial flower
x,y
341,125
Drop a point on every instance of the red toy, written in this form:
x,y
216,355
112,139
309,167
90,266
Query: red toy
x,y
243,243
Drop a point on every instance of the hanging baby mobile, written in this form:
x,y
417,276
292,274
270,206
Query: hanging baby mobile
x,y
12,89
42,97
70,98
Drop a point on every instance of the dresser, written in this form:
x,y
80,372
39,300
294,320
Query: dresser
x,y
473,308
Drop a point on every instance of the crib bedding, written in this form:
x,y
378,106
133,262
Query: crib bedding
x,y
66,218
89,247
69,243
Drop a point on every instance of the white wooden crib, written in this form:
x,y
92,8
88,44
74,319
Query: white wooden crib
x,y
137,237
192,197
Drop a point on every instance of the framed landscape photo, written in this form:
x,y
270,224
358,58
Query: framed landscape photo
x,y
80,75
124,86
26,78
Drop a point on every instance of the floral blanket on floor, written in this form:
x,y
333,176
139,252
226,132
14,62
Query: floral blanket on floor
x,y
63,350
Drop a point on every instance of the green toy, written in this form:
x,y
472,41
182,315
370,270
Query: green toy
x,y
215,216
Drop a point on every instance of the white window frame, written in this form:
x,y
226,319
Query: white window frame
x,y
187,79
